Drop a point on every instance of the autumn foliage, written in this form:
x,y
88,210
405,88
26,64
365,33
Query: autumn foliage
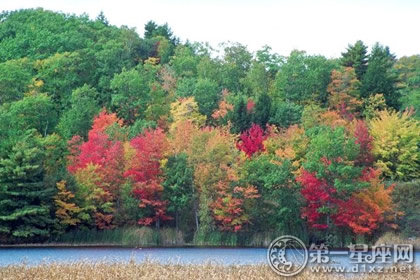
x,y
251,141
144,169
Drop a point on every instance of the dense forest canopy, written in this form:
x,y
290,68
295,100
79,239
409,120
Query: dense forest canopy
x,y
102,128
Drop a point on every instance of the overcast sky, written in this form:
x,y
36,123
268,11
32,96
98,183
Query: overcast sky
x,y
319,27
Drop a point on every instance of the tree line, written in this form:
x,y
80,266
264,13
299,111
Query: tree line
x,y
101,128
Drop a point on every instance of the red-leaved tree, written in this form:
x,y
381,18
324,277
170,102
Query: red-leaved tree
x,y
106,156
251,141
144,169
364,139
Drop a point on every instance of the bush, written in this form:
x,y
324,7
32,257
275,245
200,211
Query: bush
x,y
406,198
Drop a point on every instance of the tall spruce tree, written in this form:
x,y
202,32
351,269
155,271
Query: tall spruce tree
x,y
24,199
356,57
262,110
380,77
240,117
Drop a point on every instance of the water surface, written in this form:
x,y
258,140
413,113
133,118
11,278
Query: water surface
x,y
225,256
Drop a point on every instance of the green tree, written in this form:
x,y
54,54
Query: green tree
x,y
408,71
262,110
357,58
240,117
111,58
286,114
78,119
237,61
178,186
303,78
380,78
278,208
35,111
330,154
63,72
131,94
184,62
207,95
151,29
25,202
271,61
15,77
256,81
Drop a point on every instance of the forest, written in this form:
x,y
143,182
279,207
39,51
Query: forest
x,y
103,129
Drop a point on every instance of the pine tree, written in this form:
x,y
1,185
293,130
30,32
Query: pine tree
x,y
262,110
356,57
25,201
240,117
380,78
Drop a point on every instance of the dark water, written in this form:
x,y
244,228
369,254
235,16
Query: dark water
x,y
226,256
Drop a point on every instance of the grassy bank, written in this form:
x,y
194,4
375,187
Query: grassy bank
x,y
390,238
156,271
169,237
164,237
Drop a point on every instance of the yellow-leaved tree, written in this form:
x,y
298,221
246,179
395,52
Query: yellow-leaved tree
x,y
186,109
395,146
67,211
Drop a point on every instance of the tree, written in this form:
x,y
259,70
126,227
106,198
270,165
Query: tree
x,y
186,109
329,176
207,95
303,78
368,209
365,142
211,152
15,77
184,62
236,63
256,81
395,145
63,72
357,58
98,167
78,119
251,141
405,198
229,208
67,211
25,203
373,106
262,110
288,144
145,172
271,61
311,115
151,29
178,185
344,93
240,117
31,112
286,114
131,94
380,78
224,107
279,204
408,70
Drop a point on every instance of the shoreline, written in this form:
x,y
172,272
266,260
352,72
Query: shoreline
x,y
110,245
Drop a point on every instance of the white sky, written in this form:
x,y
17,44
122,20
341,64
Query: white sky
x,y
319,27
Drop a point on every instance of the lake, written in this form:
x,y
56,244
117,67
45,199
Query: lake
x,y
225,256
